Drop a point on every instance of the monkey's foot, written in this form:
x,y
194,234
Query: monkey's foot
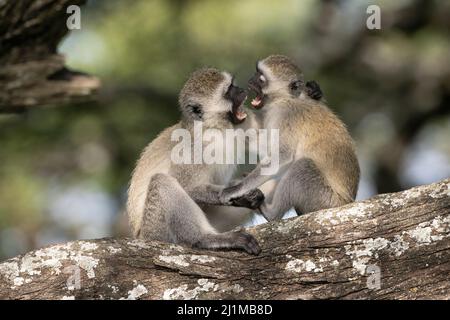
x,y
245,241
252,199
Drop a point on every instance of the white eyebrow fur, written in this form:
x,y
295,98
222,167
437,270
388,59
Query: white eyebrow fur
x,y
227,76
228,80
265,70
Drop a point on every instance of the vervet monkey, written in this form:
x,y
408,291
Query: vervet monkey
x,y
318,165
231,216
165,199
254,120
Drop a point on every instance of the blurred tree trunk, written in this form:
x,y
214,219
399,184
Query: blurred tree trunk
x,y
31,71
393,246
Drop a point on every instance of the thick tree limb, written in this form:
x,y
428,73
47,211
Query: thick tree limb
x,y
325,255
31,71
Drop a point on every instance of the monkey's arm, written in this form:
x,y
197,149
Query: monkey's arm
x,y
254,179
209,194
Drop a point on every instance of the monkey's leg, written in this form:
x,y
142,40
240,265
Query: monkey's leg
x,y
208,194
186,223
302,187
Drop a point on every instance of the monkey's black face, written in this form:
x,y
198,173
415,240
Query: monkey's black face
x,y
237,97
256,84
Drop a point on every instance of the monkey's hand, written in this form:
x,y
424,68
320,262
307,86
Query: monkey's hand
x,y
313,90
233,196
245,241
252,199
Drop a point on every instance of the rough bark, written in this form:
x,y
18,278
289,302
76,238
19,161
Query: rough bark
x,y
327,254
31,71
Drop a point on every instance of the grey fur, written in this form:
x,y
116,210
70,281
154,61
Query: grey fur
x,y
318,164
302,187
172,202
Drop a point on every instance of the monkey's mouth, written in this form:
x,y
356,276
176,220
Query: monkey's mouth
x,y
240,113
258,101
237,114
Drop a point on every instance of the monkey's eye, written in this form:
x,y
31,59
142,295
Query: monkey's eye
x,y
262,78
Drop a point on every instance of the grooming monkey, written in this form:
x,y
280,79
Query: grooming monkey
x,y
165,199
318,165
228,217
254,120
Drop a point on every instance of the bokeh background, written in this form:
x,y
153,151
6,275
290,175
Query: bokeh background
x,y
64,170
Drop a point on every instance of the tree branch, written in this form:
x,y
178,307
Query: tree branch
x,y
32,73
326,255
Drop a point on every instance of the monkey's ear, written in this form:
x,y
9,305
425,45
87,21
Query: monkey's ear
x,y
313,90
195,111
296,87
